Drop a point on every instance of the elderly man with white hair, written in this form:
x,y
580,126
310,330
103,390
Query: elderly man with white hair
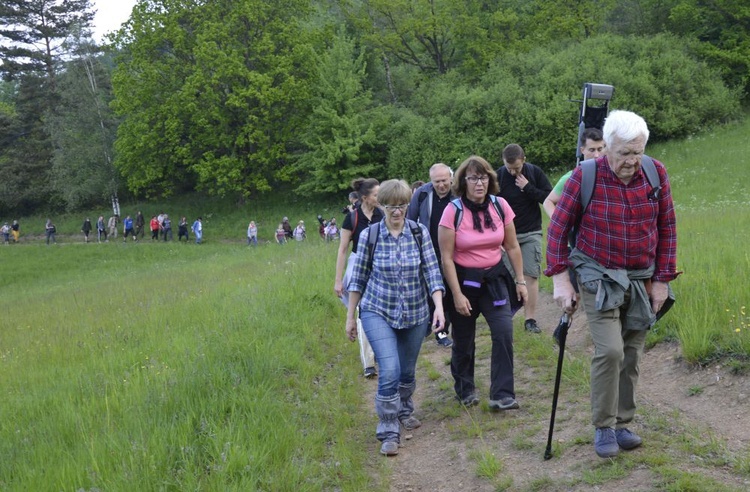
x,y
624,258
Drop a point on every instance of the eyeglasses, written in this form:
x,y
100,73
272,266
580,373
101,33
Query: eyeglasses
x,y
401,207
474,179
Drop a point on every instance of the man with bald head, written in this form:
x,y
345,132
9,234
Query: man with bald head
x,y
427,205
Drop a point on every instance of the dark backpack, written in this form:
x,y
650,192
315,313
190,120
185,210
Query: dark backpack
x,y
460,210
588,180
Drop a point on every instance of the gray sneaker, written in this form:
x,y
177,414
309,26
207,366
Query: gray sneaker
x,y
370,373
469,401
389,448
627,440
506,403
411,422
605,442
531,326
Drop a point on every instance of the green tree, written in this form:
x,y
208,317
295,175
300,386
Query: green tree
x,y
34,31
341,137
212,92
153,60
722,28
83,130
25,149
32,35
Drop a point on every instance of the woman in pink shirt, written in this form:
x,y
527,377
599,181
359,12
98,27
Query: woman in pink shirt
x,y
475,231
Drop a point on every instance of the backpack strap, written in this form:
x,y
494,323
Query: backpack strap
x,y
460,210
652,175
588,178
354,219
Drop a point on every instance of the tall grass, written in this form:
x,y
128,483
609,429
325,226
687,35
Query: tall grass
x,y
176,367
709,175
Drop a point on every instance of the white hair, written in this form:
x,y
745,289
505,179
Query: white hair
x,y
625,125
439,166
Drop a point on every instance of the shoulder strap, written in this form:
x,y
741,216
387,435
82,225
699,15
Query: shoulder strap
x,y
372,240
498,208
417,233
354,218
460,210
588,178
649,169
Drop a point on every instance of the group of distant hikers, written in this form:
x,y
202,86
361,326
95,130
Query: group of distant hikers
x,y
160,227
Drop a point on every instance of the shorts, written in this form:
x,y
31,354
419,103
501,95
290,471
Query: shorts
x,y
531,251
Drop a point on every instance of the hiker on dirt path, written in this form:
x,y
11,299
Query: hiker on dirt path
x,y
624,257
427,205
86,229
472,245
525,187
391,281
367,211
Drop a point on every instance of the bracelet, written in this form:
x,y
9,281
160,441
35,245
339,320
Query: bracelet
x,y
522,282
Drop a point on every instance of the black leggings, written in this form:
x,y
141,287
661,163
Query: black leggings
x,y
500,321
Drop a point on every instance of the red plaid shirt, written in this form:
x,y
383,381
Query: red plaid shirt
x,y
625,225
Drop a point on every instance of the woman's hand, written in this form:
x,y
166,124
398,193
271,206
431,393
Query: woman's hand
x,y
351,328
338,288
523,293
438,320
463,306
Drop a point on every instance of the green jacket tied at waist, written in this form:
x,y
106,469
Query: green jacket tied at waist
x,y
610,285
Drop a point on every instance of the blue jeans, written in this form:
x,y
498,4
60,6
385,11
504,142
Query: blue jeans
x,y
396,351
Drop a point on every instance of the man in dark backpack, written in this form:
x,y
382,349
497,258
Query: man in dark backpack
x,y
524,186
624,257
426,207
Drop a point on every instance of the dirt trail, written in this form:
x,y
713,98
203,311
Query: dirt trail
x,y
443,455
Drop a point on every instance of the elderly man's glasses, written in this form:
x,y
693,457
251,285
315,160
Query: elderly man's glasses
x,y
474,179
401,207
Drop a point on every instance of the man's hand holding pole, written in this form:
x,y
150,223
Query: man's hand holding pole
x,y
564,293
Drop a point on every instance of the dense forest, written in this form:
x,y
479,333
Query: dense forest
x,y
237,97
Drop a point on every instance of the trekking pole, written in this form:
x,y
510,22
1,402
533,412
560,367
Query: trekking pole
x,y
560,334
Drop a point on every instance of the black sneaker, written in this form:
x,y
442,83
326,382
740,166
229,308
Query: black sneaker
x,y
370,372
531,326
443,340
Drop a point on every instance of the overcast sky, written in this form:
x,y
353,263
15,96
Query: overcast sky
x,y
110,14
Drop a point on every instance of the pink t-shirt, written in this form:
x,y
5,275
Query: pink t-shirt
x,y
476,249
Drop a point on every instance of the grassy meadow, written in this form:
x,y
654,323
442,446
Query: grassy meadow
x,y
167,366
176,367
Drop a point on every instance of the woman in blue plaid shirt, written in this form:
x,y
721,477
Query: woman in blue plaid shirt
x,y
391,287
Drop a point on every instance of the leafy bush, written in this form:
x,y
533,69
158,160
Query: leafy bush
x,y
526,98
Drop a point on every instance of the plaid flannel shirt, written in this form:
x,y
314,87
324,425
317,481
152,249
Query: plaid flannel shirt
x,y
394,287
625,226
